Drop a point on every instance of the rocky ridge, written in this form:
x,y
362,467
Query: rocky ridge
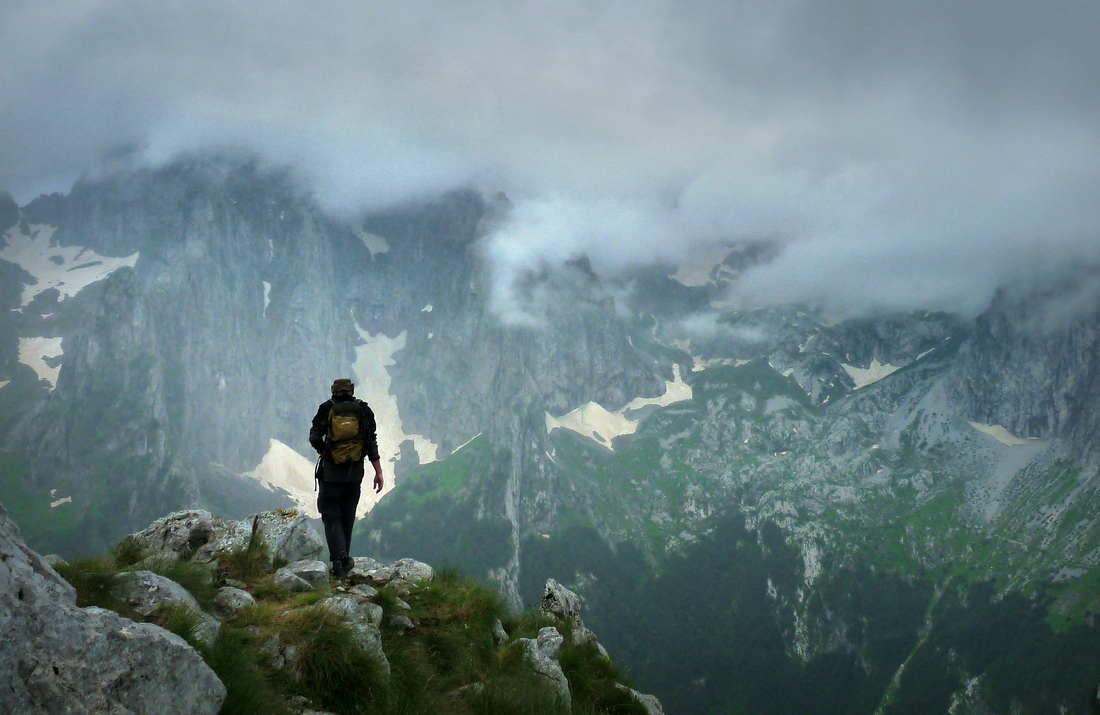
x,y
142,668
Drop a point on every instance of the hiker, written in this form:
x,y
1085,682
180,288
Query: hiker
x,y
343,433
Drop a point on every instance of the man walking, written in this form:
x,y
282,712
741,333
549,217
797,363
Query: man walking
x,y
343,433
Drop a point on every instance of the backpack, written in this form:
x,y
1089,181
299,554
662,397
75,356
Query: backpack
x,y
344,421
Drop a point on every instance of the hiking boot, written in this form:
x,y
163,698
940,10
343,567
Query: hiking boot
x,y
339,569
349,564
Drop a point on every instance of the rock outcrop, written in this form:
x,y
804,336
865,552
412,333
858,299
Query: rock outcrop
x,y
59,658
197,535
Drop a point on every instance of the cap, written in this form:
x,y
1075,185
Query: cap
x,y
342,384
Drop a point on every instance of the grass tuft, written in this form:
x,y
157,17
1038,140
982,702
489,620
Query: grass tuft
x,y
248,691
331,665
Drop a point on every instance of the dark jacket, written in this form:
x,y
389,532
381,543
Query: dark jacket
x,y
348,471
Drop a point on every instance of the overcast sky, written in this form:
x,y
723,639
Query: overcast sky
x,y
909,154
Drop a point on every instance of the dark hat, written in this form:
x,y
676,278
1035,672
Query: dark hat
x,y
342,384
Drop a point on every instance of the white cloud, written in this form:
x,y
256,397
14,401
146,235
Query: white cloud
x,y
905,157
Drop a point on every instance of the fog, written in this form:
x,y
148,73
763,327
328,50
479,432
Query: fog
x,y
906,155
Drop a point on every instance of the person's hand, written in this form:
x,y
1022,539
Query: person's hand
x,y
378,481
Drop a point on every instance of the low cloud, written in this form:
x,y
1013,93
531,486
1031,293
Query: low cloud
x,y
905,155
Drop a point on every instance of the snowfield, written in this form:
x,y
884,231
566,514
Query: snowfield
x,y
600,425
34,352
69,269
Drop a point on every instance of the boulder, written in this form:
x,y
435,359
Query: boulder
x,y
363,591
145,591
288,535
500,636
559,601
311,570
198,536
58,658
376,576
402,623
181,536
55,560
412,570
364,621
231,601
649,703
548,668
550,641
289,581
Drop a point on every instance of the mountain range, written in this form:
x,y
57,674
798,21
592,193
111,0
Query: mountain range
x,y
767,510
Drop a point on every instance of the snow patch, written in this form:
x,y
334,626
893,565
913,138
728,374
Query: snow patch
x,y
69,269
267,296
863,377
603,426
699,364
427,308
1002,435
373,385
4,383
284,470
375,244
59,502
34,352
467,442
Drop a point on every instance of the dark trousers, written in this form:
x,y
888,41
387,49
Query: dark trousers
x,y
337,501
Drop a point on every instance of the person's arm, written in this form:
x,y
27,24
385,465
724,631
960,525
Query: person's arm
x,y
319,428
370,446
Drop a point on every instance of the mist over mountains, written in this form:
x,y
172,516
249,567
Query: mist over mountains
x,y
767,506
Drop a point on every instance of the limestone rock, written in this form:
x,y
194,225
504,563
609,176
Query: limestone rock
x,y
500,636
548,668
376,576
649,703
550,641
311,570
62,659
289,581
364,619
198,536
559,601
363,591
231,601
145,591
55,560
207,629
403,623
412,570
288,535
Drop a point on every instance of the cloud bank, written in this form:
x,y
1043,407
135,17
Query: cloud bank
x,y
906,154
